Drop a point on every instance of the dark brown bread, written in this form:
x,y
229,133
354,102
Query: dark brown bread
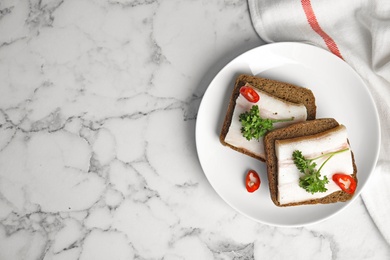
x,y
282,90
299,130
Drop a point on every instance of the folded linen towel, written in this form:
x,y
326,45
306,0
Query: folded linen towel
x,y
357,31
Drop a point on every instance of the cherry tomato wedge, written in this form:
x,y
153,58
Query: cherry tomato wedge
x,y
250,94
346,182
252,181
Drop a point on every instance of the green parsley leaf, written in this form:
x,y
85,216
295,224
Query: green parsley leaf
x,y
254,126
311,180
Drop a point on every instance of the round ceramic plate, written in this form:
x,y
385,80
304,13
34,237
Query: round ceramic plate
x,y
340,93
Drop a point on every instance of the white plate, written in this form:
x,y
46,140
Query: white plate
x,y
340,93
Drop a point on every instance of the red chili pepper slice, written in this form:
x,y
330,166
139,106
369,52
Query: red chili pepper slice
x,y
346,182
252,181
250,94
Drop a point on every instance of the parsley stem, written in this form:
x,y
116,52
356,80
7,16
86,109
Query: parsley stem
x,y
331,155
282,120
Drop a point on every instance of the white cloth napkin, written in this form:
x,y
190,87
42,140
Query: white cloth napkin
x,y
358,31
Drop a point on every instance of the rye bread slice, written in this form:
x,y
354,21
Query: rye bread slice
x,y
293,131
281,90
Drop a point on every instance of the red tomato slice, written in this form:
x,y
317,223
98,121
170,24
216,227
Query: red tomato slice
x,y
250,94
252,181
346,182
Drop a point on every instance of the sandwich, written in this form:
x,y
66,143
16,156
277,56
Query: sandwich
x,y
276,104
294,154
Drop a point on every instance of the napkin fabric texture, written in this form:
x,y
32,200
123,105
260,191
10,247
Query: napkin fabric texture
x,y
357,31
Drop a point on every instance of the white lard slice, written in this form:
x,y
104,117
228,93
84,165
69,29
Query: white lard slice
x,y
311,147
270,107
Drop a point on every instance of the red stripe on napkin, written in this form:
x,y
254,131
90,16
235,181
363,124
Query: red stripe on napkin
x,y
311,18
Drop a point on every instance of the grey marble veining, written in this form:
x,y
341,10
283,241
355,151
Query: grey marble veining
x,y
98,106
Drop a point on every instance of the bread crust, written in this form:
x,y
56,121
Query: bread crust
x,y
282,90
299,130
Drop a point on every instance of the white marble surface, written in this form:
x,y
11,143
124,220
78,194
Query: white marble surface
x,y
98,105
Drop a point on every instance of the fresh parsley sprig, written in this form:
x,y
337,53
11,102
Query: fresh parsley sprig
x,y
254,126
311,180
